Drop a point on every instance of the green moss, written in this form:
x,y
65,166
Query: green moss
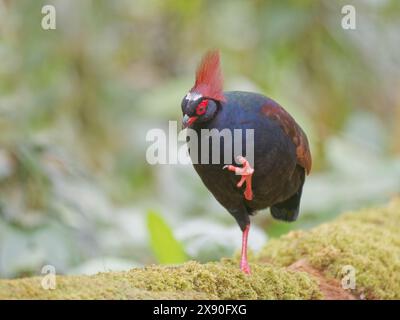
x,y
222,280
368,240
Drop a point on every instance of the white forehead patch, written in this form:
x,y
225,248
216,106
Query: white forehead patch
x,y
193,96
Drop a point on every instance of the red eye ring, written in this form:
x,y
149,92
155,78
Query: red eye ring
x,y
202,107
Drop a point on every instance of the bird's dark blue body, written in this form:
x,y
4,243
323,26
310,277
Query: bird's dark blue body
x,y
278,178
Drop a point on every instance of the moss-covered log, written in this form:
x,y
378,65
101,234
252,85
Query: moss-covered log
x,y
299,265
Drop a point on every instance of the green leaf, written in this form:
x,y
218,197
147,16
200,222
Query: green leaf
x,y
166,248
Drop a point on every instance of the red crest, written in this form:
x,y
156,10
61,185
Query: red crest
x,y
209,81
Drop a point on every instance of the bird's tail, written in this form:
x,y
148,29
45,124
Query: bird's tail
x,y
288,210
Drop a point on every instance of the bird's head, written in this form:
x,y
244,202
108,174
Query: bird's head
x,y
202,102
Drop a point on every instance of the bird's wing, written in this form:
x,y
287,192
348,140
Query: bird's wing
x,y
275,112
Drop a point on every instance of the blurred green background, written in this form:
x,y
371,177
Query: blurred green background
x,y
76,103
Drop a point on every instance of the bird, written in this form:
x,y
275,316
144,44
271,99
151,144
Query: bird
x,y
274,179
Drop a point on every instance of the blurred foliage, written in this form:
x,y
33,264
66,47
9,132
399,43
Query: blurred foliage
x,y
76,103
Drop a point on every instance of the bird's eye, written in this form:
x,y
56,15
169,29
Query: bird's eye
x,y
202,107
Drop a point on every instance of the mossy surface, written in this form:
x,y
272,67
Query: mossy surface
x,y
368,240
219,280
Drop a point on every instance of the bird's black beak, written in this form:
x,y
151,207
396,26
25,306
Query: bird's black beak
x,y
187,121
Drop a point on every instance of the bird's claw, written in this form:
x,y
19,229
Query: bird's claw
x,y
244,266
246,171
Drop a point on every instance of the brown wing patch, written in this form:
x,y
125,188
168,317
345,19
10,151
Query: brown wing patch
x,y
275,112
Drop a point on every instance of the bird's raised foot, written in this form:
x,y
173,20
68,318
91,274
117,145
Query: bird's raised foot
x,y
246,171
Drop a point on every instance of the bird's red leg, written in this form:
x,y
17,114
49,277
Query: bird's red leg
x,y
244,265
246,171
